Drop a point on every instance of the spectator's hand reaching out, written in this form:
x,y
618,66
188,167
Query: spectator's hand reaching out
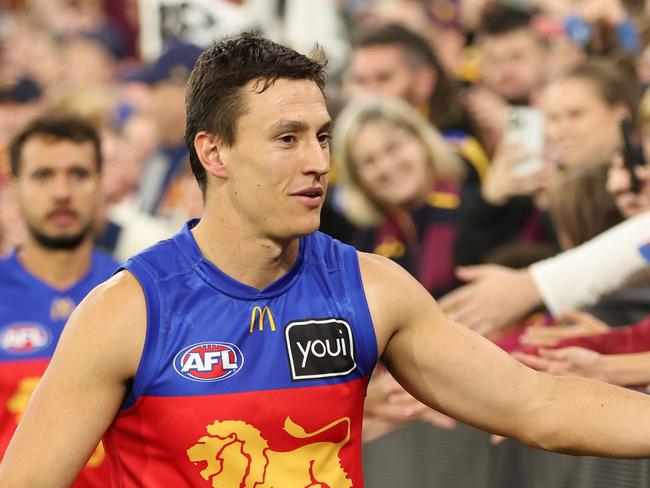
x,y
569,361
494,297
578,324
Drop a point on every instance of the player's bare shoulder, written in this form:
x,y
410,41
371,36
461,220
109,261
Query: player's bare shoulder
x,y
394,297
121,297
384,278
113,319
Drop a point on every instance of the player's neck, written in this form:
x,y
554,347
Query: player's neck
x,y
251,259
57,268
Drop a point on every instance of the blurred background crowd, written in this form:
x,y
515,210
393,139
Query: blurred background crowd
x,y
495,149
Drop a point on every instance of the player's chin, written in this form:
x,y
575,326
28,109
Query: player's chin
x,y
305,226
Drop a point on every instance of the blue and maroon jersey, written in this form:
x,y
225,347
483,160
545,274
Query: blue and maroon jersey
x,y
32,316
244,387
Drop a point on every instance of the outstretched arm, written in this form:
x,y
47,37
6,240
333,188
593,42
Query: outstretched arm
x,y
82,389
464,375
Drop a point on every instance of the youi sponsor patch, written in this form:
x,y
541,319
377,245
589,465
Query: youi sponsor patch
x,y
209,361
320,349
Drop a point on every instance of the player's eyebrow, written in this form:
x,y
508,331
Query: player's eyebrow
x,y
289,126
326,126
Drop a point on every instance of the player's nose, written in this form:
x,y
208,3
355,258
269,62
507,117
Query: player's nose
x,y
317,159
61,188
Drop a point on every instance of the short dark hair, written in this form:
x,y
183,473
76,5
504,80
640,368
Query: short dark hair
x,y
500,20
58,126
444,108
416,48
214,101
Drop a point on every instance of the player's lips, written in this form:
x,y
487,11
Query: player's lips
x,y
62,217
311,196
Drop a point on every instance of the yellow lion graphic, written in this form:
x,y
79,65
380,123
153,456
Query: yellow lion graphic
x,y
237,456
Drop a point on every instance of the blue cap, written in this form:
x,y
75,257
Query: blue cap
x,y
175,64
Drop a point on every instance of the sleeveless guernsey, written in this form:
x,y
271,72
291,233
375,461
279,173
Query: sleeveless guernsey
x,y
239,387
32,317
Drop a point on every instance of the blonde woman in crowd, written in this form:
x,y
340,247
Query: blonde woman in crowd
x,y
399,184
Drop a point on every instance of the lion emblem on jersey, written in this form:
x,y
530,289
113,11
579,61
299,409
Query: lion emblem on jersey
x,y
237,456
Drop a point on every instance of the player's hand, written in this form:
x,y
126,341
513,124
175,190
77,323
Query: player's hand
x,y
581,324
569,361
494,297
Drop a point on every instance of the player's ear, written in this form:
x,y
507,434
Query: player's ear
x,y
208,149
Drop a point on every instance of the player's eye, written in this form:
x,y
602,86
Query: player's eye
x,y
325,139
288,139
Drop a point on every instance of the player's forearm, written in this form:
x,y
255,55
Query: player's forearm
x,y
627,369
594,418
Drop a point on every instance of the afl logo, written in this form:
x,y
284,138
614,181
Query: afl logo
x,y
209,361
24,338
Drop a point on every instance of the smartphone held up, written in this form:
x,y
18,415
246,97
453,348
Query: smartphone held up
x,y
526,129
632,154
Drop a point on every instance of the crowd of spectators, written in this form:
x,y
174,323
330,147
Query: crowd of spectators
x,y
478,143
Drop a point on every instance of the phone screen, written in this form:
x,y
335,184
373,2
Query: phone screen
x,y
526,129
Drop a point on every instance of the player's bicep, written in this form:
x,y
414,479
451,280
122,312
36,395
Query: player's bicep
x,y
441,363
83,386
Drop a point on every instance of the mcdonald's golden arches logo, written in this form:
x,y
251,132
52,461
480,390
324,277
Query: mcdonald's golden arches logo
x,y
259,313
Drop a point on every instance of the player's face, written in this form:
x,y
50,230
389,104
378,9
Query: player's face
x,y
575,113
391,164
58,189
381,70
278,165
